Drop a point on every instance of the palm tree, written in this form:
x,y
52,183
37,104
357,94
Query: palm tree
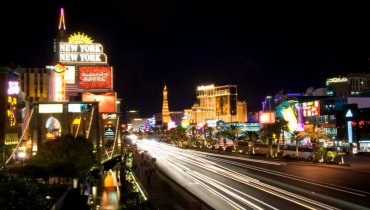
x,y
281,126
209,131
250,136
294,137
232,132
314,134
267,132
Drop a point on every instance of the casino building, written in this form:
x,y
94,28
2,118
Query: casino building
x,y
73,95
217,103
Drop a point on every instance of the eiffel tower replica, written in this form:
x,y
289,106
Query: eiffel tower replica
x,y
165,111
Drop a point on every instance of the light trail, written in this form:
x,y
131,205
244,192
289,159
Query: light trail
x,y
296,178
174,158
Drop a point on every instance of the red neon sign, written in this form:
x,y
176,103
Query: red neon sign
x,y
95,77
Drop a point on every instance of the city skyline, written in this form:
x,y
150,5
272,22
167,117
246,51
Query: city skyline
x,y
184,45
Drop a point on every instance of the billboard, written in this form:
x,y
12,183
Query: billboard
x,y
107,101
95,77
311,108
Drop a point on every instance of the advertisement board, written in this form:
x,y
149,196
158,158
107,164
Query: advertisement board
x,y
95,77
311,108
107,101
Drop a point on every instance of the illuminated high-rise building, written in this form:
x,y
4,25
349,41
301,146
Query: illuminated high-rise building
x,y
217,103
165,111
352,84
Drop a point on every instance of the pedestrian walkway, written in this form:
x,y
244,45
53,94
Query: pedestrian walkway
x,y
158,192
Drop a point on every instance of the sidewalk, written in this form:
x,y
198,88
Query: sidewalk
x,y
159,196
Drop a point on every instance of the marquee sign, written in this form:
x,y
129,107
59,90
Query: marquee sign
x,y
78,50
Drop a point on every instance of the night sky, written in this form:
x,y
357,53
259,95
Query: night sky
x,y
262,47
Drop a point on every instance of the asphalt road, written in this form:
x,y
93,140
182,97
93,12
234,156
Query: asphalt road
x,y
240,183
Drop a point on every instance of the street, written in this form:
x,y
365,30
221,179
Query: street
x,y
240,183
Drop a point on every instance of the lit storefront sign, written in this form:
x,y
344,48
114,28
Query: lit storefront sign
x,y
80,49
50,108
311,108
95,77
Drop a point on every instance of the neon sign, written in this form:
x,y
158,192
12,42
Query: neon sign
x,y
336,80
80,49
13,88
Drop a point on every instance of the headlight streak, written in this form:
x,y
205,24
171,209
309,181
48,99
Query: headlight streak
x,y
197,174
189,173
307,203
208,181
317,183
162,149
239,158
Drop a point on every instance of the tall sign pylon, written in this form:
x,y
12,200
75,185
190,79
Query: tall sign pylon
x,y
165,111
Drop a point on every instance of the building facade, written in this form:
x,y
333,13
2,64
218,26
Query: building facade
x,y
217,102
